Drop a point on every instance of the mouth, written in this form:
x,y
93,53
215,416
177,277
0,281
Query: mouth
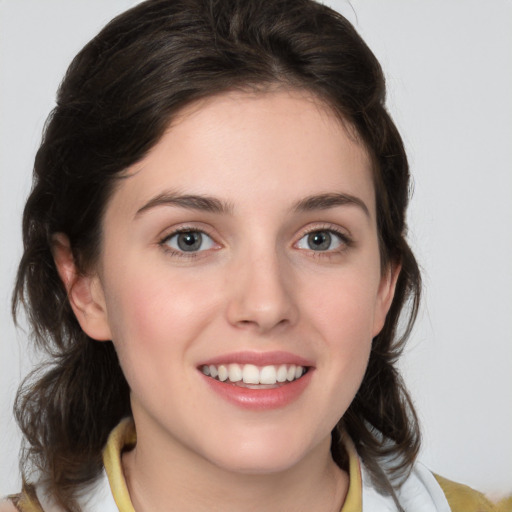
x,y
255,377
258,381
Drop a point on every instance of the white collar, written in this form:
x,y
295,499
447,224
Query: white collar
x,y
419,493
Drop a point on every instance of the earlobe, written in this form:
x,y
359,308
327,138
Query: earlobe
x,y
385,297
85,293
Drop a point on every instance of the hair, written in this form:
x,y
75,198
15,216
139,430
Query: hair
x,y
116,100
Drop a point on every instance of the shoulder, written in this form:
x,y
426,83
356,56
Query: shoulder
x,y
419,492
425,491
25,501
94,497
463,498
7,505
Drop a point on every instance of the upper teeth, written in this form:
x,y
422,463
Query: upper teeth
x,y
251,374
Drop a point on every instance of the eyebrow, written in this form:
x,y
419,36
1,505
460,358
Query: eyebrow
x,y
214,205
188,201
330,200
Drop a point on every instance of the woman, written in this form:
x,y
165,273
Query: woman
x,y
228,333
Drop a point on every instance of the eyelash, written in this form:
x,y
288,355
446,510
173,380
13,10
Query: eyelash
x,y
163,243
345,240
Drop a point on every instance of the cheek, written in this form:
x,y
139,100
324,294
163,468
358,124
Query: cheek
x,y
343,307
342,313
341,320
154,317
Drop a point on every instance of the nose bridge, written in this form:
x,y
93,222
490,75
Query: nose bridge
x,y
261,290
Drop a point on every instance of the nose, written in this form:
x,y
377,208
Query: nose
x,y
262,294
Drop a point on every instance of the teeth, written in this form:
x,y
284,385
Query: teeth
x,y
268,375
282,372
235,373
251,374
223,373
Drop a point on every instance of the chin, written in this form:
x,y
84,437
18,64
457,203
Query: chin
x,y
260,465
270,454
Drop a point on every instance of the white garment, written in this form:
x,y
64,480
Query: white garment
x,y
419,493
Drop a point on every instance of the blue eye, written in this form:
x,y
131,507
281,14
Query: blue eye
x,y
321,240
190,241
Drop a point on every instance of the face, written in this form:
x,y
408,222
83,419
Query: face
x,y
240,280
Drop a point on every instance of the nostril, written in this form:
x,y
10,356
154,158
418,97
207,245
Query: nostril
x,y
247,323
262,324
260,306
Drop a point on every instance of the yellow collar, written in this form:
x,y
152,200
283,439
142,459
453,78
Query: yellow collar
x,y
124,437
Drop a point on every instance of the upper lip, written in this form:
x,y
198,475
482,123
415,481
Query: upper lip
x,y
276,357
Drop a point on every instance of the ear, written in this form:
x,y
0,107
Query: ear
x,y
385,295
85,292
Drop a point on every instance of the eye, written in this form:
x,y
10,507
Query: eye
x,y
322,240
189,241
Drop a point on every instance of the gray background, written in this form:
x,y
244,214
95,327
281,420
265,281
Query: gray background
x,y
449,69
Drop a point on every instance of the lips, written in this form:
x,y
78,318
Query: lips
x,y
258,380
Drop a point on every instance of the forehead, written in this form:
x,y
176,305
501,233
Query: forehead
x,y
279,145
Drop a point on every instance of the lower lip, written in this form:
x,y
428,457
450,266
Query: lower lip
x,y
260,399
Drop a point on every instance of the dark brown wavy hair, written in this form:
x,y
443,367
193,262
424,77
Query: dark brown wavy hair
x,y
118,97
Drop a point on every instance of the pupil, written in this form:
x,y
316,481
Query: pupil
x,y
319,241
189,241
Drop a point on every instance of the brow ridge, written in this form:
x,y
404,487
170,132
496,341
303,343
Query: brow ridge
x,y
214,205
330,200
189,201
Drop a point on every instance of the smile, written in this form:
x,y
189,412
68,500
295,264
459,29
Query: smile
x,y
251,374
258,381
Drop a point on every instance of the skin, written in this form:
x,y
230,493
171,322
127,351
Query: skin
x,y
256,285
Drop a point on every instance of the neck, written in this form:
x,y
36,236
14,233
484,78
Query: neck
x,y
161,475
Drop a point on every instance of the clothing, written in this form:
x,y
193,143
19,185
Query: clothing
x,y
421,492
